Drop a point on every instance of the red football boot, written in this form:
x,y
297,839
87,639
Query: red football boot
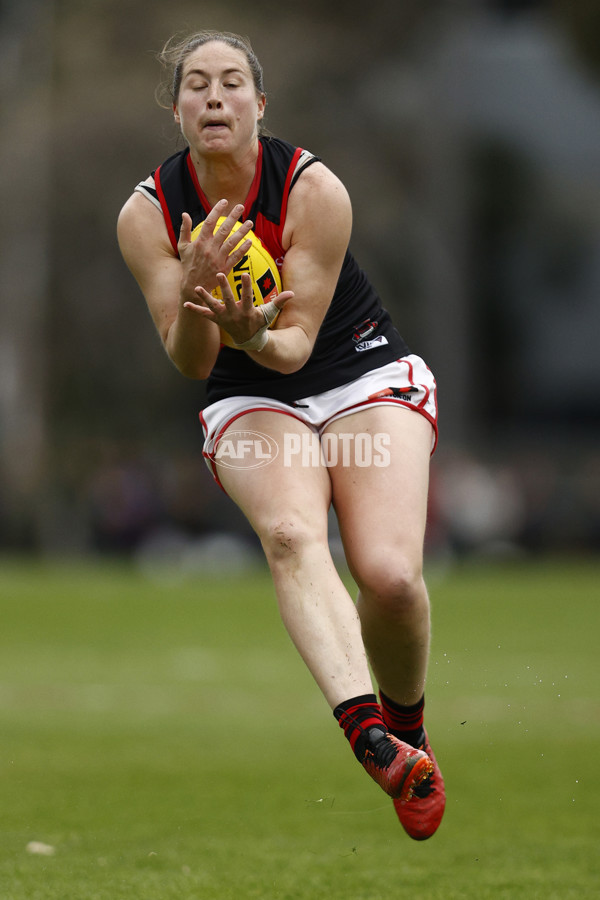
x,y
397,767
420,815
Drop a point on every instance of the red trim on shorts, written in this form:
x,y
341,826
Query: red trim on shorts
x,y
229,422
435,403
383,401
420,407
380,399
203,423
414,384
426,388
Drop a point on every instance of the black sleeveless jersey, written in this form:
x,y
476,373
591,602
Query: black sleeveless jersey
x,y
357,333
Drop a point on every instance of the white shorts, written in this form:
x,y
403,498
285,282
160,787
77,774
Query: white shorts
x,y
407,382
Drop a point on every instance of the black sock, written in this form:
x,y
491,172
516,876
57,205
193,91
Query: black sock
x,y
404,722
356,716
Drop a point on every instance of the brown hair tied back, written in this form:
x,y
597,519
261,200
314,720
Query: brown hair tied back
x,y
175,52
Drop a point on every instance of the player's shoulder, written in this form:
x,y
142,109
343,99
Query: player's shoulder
x,y
141,228
137,215
319,176
318,185
139,210
319,210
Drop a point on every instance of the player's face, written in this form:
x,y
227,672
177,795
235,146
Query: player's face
x,y
218,108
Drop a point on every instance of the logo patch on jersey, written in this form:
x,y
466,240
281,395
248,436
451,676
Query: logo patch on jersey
x,y
379,341
364,330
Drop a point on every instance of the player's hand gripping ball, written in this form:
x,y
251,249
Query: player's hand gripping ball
x,y
259,264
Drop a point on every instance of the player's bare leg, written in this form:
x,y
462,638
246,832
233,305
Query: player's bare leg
x,y
287,505
288,508
382,516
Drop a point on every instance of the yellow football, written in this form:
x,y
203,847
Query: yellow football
x,y
258,263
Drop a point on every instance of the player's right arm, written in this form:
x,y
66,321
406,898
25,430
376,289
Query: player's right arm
x,y
167,282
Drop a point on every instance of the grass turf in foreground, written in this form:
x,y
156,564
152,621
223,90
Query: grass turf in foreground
x,y
168,743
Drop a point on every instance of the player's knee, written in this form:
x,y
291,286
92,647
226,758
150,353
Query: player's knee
x,y
395,588
286,538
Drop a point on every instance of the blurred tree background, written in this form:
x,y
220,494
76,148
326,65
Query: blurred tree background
x,y
468,135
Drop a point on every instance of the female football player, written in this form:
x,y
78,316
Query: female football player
x,y
321,362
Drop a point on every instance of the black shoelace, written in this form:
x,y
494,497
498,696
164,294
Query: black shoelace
x,y
384,751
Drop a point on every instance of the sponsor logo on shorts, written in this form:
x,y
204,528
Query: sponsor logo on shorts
x,y
395,393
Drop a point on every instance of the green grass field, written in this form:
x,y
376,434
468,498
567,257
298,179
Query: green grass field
x,y
167,742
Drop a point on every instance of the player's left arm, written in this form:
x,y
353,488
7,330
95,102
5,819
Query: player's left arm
x,y
316,237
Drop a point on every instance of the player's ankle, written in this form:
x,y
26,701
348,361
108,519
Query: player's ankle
x,y
357,717
404,722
